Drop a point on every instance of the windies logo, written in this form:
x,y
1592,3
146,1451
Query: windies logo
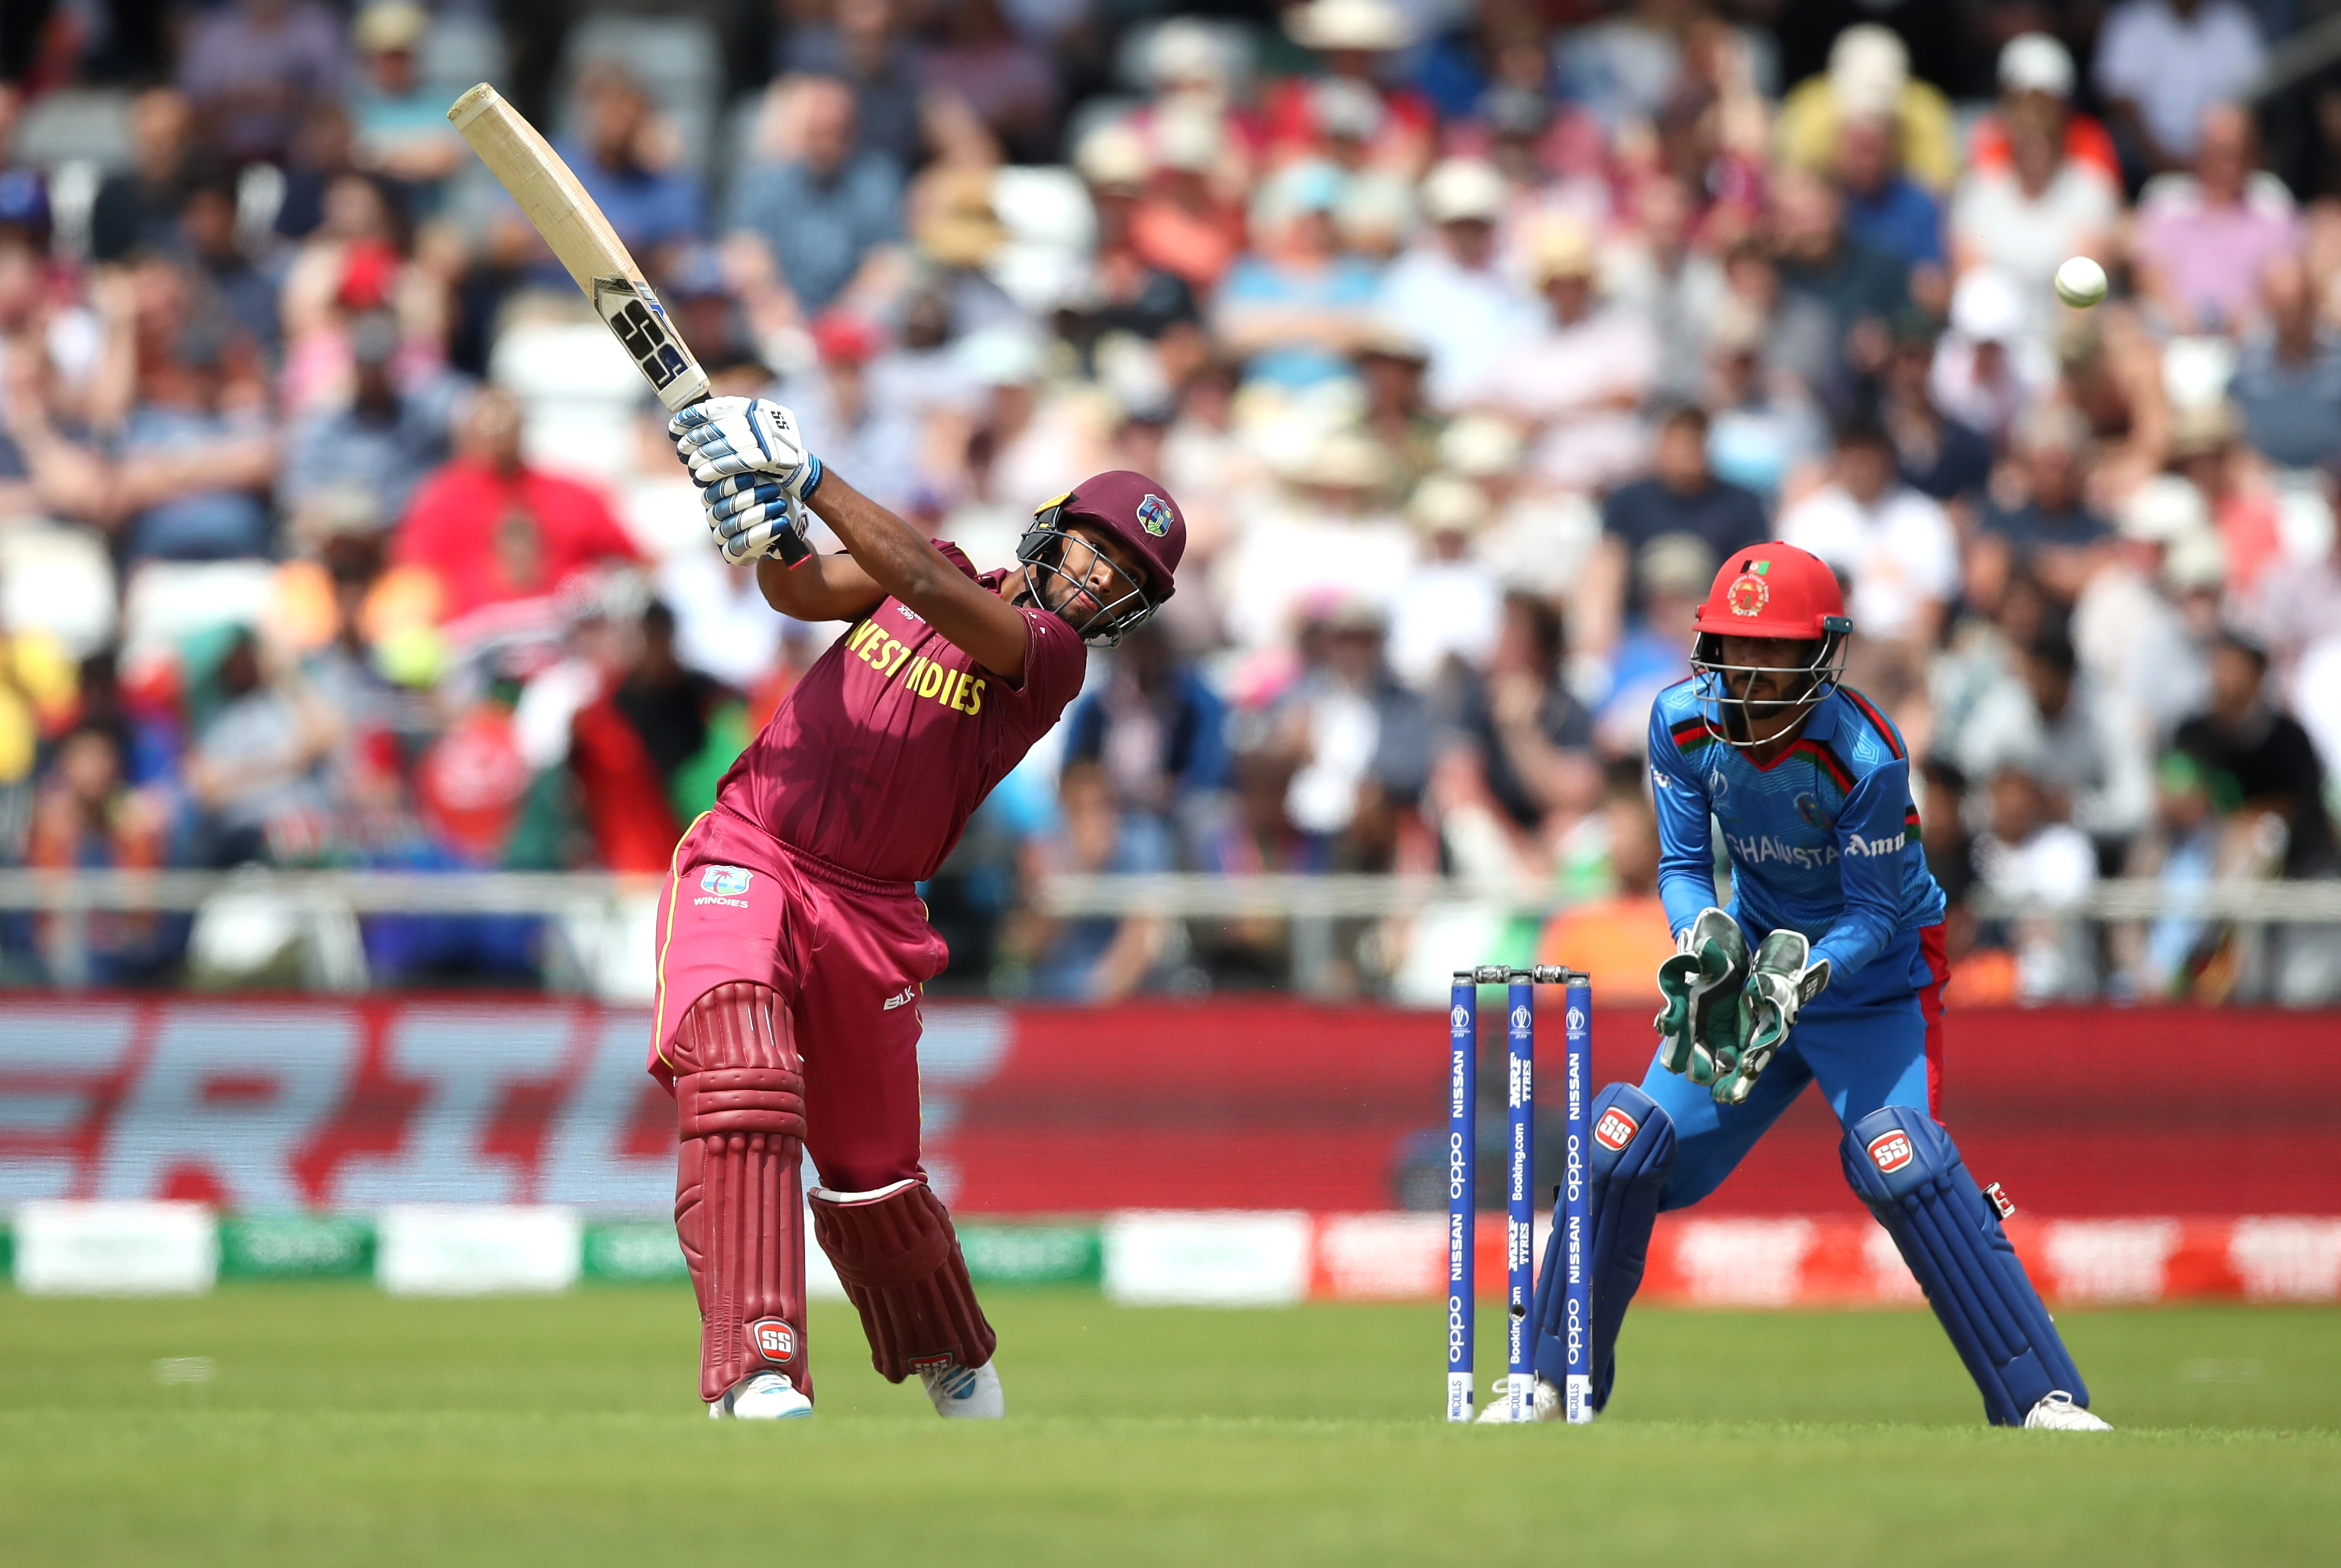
x,y
725,881
1614,1131
774,1340
1154,515
1889,1152
1748,594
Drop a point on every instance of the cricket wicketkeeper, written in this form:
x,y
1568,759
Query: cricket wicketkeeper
x,y
1831,895
791,946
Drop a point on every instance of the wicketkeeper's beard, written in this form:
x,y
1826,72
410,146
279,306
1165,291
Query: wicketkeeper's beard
x,y
1801,677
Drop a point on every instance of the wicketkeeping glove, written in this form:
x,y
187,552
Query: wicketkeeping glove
x,y
1784,980
1701,986
727,436
752,517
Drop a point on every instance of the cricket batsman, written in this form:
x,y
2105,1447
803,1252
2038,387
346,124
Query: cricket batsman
x,y
1826,966
791,946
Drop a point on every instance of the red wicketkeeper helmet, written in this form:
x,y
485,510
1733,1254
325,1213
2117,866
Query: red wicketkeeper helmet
x,y
1781,593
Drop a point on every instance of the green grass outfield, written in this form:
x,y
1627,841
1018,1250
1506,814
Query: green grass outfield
x,y
340,1425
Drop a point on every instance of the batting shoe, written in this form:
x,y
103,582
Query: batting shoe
x,y
965,1394
2057,1413
1544,1403
767,1396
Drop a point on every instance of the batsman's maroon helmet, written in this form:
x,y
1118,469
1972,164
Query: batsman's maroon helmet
x,y
1132,509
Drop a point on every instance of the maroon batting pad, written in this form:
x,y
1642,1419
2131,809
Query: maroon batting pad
x,y
898,1260
738,1197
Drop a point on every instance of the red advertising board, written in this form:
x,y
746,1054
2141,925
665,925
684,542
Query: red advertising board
x,y
262,1105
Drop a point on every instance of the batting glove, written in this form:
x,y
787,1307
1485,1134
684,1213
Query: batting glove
x,y
725,437
1784,978
751,519
1701,985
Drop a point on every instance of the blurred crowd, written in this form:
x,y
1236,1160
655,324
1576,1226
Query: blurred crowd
x,y
1471,334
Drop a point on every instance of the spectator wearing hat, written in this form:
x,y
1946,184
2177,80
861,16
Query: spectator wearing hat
x,y
1893,547
2161,63
1579,379
2130,638
2260,756
1352,40
2037,77
398,126
1189,221
1990,366
1869,75
1445,614
1129,292
1327,537
1297,306
2288,379
2037,205
1449,291
825,223
2203,239
494,530
2207,447
1391,363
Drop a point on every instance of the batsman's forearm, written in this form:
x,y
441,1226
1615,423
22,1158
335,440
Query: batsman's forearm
x,y
897,557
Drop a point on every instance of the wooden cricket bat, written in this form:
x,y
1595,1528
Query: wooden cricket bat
x,y
581,237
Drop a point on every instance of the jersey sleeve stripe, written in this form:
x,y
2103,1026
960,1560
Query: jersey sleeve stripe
x,y
1886,731
1830,763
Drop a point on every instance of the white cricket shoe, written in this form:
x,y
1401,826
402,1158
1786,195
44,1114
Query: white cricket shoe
x,y
766,1396
965,1394
1544,1403
2057,1413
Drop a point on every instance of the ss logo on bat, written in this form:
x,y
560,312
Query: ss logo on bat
x,y
640,329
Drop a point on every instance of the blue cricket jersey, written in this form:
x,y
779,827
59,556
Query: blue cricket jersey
x,y
1824,841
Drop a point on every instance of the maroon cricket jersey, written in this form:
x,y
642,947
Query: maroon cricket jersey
x,y
876,759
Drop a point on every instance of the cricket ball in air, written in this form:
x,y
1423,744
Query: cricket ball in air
x,y
2080,283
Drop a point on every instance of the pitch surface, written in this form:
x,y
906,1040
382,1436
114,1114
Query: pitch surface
x,y
315,1425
